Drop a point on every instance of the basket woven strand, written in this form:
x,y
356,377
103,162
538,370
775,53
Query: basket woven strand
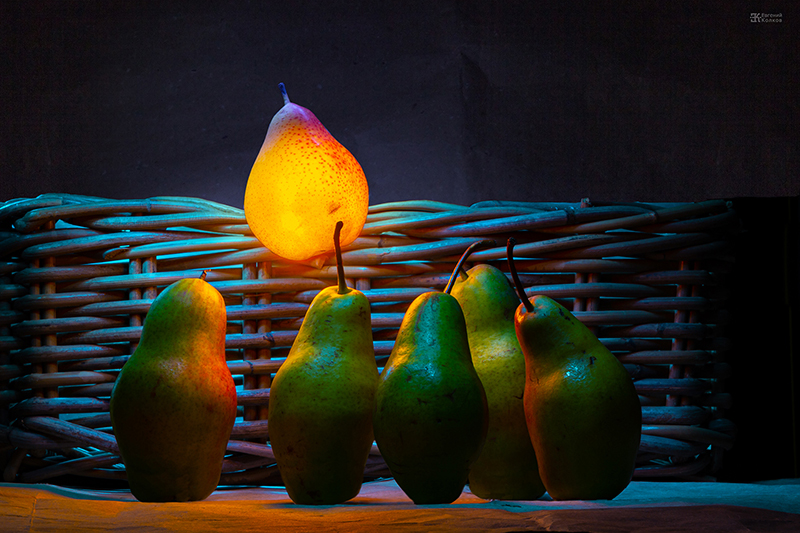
x,y
78,274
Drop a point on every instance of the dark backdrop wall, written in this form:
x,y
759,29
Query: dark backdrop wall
x,y
451,100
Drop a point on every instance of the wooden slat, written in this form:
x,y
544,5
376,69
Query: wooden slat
x,y
69,431
692,434
48,354
36,218
49,326
71,466
28,440
56,406
101,241
31,302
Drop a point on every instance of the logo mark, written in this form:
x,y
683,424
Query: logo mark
x,y
766,17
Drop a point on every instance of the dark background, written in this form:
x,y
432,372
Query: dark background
x,y
458,101
453,100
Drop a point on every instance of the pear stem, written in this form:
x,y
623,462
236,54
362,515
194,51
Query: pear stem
x,y
203,275
517,283
343,288
472,247
282,87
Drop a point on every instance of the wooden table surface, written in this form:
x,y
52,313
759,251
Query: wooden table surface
x,y
382,506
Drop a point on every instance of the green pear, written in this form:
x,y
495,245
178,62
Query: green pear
x,y
506,468
320,406
581,408
174,402
430,408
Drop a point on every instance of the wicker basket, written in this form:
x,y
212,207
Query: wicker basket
x,y
78,274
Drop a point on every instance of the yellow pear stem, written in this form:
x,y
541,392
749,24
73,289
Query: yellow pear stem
x,y
472,247
203,275
343,288
517,283
282,87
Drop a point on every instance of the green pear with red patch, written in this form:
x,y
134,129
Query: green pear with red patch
x,y
581,408
174,402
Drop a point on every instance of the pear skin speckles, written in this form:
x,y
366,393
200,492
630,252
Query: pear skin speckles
x,y
299,173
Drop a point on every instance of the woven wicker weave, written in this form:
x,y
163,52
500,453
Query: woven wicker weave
x,y
78,274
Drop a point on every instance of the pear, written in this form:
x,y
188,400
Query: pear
x,y
581,408
302,182
506,469
320,406
430,408
174,402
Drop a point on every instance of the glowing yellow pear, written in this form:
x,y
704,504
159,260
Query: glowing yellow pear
x,y
303,182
